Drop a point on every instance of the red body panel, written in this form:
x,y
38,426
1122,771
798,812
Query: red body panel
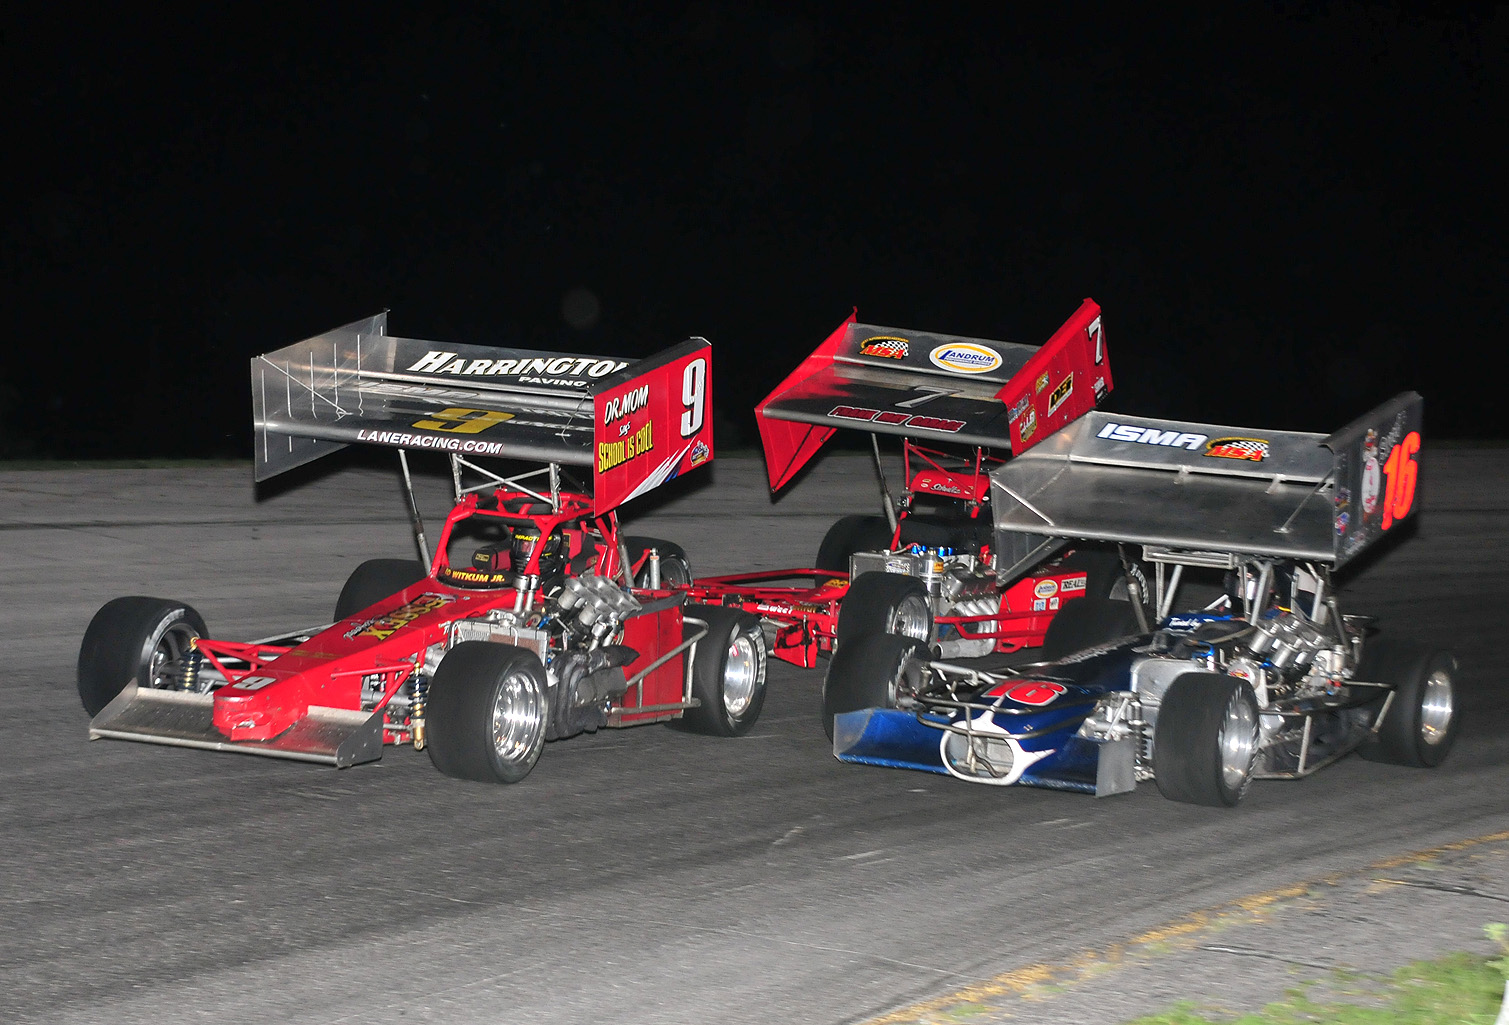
x,y
655,427
788,445
658,693
1065,380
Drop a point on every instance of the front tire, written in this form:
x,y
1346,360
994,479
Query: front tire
x,y
885,603
1087,623
1206,742
375,580
134,640
1420,724
872,671
728,672
850,534
675,567
488,712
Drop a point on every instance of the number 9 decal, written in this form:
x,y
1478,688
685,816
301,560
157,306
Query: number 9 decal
x,y
693,397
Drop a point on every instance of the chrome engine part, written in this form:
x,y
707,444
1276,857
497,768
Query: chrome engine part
x,y
594,607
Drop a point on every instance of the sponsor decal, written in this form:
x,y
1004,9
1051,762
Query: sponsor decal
x,y
1185,623
568,370
1100,389
1028,425
617,407
1151,436
1342,519
1053,603
442,443
1254,449
1073,584
943,486
922,423
884,345
1371,473
1023,404
611,454
699,452
385,626
1042,382
902,566
836,582
1043,588
1063,391
965,358
1040,605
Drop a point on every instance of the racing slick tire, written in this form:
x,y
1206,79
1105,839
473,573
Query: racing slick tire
x,y
1206,742
1107,576
728,672
1086,623
134,640
375,580
885,603
870,672
1420,724
487,712
675,567
850,534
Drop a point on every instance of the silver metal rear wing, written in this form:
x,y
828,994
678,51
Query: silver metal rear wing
x,y
1206,488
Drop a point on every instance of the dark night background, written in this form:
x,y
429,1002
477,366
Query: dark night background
x,y
1288,211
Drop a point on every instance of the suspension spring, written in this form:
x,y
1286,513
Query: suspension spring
x,y
188,680
416,710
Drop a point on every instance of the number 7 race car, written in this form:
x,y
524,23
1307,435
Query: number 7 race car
x,y
925,569
534,619
1270,680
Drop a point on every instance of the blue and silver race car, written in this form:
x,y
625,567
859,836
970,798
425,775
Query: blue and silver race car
x,y
1267,679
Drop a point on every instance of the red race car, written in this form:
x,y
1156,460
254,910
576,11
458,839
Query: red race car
x,y
528,623
925,568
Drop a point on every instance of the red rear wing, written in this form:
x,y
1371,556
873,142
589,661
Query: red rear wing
x,y
943,388
634,423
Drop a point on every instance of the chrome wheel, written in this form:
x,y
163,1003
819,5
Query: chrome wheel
x,y
518,717
1238,740
911,618
1437,706
741,674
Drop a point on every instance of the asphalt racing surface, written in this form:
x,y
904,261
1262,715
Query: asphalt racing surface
x,y
646,875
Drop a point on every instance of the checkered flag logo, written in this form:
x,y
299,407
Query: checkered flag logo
x,y
1253,449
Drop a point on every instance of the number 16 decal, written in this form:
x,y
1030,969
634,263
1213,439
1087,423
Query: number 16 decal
x,y
693,397
1402,472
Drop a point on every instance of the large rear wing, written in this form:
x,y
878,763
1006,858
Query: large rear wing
x,y
916,384
634,423
1202,487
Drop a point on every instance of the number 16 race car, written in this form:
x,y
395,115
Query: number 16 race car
x,y
1270,680
534,619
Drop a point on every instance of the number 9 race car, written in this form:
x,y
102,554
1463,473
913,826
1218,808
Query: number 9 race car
x,y
534,619
1270,680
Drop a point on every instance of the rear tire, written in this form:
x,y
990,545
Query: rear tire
x,y
375,580
1420,725
728,672
675,567
1087,623
848,535
885,603
1206,741
134,640
872,671
487,713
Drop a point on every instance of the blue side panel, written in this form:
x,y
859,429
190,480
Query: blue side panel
x,y
885,736
1072,767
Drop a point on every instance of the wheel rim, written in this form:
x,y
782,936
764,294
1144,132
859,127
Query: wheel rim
x,y
1238,741
741,673
911,618
167,656
518,719
674,572
1436,707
